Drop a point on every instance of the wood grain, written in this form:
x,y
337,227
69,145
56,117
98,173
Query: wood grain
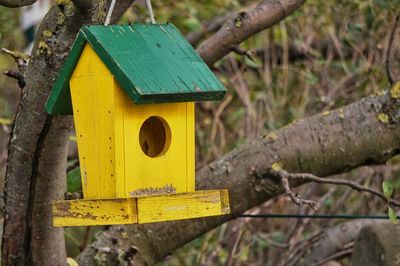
x,y
140,210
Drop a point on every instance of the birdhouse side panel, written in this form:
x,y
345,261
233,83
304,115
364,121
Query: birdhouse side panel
x,y
190,147
159,148
93,100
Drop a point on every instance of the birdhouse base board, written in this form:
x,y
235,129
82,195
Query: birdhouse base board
x,y
138,210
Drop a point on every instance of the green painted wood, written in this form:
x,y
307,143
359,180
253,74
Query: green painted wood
x,y
153,63
59,101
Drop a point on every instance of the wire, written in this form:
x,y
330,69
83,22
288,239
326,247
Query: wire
x,y
150,10
109,13
316,216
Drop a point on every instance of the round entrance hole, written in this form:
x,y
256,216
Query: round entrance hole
x,y
154,136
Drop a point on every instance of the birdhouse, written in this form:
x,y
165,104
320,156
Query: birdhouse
x,y
131,90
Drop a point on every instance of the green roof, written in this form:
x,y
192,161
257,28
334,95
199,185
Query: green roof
x,y
153,63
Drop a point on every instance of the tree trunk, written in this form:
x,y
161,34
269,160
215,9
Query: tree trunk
x,y
36,138
378,245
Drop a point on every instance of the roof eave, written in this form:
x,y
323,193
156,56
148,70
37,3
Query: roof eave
x,y
59,102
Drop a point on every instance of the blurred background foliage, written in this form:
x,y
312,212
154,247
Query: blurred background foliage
x,y
324,56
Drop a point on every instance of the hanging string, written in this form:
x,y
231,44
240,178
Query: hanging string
x,y
109,13
150,11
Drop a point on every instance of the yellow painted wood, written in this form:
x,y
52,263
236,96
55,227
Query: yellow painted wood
x,y
128,174
108,123
140,210
119,141
94,212
181,206
190,147
225,201
93,96
172,171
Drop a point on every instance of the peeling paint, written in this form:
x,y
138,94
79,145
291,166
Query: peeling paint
x,y
165,190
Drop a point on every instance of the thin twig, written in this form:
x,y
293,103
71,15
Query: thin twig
x,y
338,255
293,254
340,182
72,166
231,256
240,51
20,58
15,74
389,50
22,61
86,238
284,178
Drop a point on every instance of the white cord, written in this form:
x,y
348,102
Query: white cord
x,y
109,13
150,10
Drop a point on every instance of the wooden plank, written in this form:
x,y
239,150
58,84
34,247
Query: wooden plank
x,y
92,91
166,173
190,148
119,140
94,212
140,210
181,206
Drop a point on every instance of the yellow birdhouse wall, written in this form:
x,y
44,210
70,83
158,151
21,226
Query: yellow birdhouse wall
x,y
127,149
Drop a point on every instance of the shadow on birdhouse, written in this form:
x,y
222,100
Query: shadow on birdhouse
x,y
132,90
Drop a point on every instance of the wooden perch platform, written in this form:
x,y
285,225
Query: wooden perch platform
x,y
137,210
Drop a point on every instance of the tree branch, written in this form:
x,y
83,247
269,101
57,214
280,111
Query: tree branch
x,y
72,166
22,61
305,177
24,230
17,3
325,144
208,28
284,178
244,25
393,54
18,75
331,240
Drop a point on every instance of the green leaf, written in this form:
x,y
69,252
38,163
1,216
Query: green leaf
x,y
387,188
74,180
192,23
392,215
257,63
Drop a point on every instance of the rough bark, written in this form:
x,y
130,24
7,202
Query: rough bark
x,y
29,139
53,41
47,188
332,240
17,3
378,245
325,144
393,52
194,38
245,24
